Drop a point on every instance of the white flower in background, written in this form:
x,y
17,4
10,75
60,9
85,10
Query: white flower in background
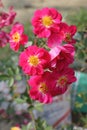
x,y
19,87
7,97
4,87
5,91
1,86
15,58
4,105
20,108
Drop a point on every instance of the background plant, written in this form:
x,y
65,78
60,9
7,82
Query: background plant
x,y
13,76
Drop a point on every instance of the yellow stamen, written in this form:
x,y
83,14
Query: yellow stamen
x,y
47,21
15,128
43,87
16,37
62,81
68,37
33,60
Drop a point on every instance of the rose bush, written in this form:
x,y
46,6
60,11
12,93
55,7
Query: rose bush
x,y
46,65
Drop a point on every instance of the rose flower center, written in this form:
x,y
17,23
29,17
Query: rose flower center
x,y
47,21
68,37
16,37
33,60
62,81
43,88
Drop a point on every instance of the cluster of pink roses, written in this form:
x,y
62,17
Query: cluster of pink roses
x,y
49,69
6,19
48,24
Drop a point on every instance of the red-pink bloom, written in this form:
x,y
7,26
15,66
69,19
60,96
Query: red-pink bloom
x,y
62,80
40,86
44,20
55,39
17,37
7,19
1,4
4,38
68,32
65,33
62,56
33,60
50,84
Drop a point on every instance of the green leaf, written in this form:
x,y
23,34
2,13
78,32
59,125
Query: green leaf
x,y
4,77
30,126
78,105
11,82
17,70
80,54
19,100
10,72
18,77
49,128
31,107
38,106
85,42
24,127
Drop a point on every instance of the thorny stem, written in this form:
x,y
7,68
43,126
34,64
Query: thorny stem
x,y
31,113
33,119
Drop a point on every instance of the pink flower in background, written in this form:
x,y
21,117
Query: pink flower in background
x,y
7,19
68,32
1,4
17,37
44,20
55,39
40,87
33,60
62,79
62,56
44,87
65,33
46,66
4,38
